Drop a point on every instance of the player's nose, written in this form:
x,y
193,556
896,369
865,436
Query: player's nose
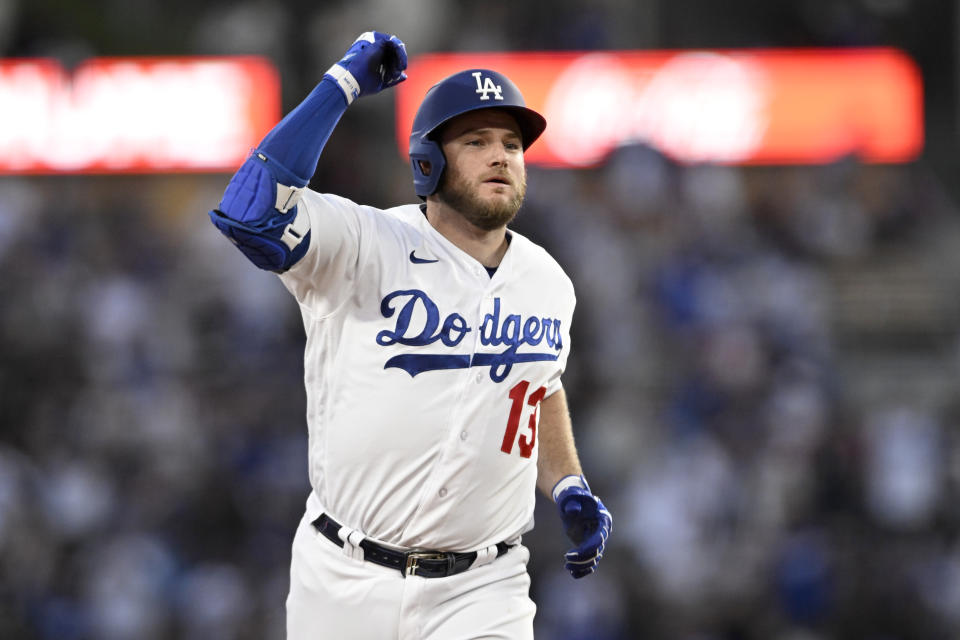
x,y
498,155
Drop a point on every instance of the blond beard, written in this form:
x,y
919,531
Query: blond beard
x,y
455,192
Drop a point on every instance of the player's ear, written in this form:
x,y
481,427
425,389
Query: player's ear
x,y
424,167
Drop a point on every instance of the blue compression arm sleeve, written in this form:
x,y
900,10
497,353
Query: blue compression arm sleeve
x,y
296,142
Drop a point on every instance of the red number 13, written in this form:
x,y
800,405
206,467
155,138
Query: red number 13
x,y
518,394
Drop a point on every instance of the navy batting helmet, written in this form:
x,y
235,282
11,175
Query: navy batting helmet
x,y
462,92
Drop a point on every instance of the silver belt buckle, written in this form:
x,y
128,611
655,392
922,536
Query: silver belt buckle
x,y
414,558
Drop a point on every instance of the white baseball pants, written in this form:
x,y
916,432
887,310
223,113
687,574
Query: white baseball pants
x,y
335,596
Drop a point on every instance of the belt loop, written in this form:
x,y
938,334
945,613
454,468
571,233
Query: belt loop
x,y
485,556
351,542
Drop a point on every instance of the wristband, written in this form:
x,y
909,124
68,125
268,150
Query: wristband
x,y
345,80
569,481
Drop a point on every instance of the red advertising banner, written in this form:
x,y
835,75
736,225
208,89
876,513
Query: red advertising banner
x,y
135,115
762,106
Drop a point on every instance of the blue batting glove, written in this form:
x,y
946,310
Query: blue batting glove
x,y
586,522
375,62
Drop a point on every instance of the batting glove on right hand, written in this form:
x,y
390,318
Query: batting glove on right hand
x,y
586,522
373,63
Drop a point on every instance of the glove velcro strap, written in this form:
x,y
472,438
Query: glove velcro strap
x,y
345,80
569,481
294,232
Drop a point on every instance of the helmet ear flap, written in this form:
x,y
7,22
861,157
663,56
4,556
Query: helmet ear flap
x,y
427,152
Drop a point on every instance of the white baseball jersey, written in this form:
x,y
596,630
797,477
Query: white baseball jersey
x,y
424,375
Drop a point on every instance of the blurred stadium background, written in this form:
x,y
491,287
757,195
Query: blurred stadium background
x,y
763,382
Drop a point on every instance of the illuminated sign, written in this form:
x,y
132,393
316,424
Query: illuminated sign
x,y
763,106
134,114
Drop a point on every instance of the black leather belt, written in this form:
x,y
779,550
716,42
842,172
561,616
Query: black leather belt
x,y
426,564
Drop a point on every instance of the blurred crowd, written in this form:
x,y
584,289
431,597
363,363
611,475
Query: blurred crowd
x,y
765,482
762,381
153,461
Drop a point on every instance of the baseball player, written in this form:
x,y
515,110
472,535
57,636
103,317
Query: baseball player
x,y
435,341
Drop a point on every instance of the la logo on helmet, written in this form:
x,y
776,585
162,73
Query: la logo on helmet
x,y
487,86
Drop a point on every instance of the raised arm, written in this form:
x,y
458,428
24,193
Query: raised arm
x,y
258,212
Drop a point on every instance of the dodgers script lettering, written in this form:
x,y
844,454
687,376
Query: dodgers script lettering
x,y
511,330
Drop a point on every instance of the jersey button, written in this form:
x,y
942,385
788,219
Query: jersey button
x,y
479,377
463,435
442,493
